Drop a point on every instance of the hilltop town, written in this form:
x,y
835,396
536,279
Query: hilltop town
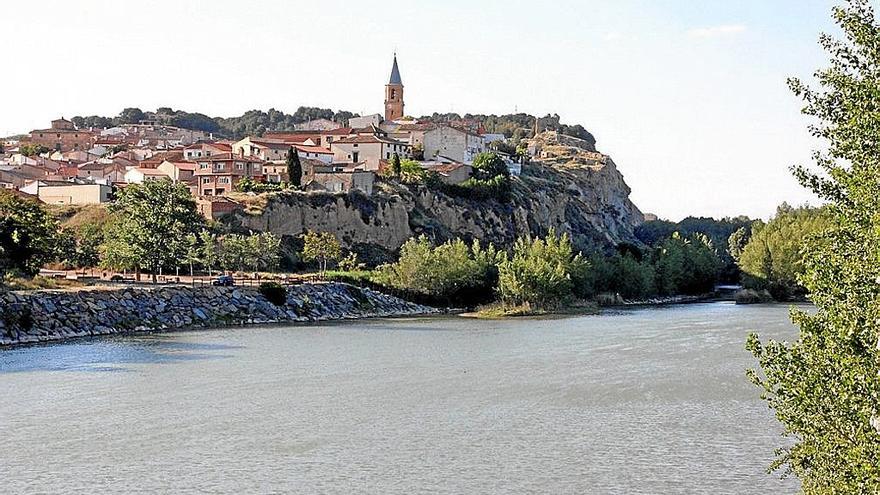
x,y
72,163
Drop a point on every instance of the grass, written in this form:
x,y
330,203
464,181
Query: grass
x,y
39,283
500,310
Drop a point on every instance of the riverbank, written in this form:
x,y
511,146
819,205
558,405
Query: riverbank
x,y
44,316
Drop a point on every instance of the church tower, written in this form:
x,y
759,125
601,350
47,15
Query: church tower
x,y
394,94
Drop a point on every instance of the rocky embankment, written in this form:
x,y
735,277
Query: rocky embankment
x,y
567,186
42,316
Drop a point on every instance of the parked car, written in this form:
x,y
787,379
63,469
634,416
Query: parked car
x,y
224,281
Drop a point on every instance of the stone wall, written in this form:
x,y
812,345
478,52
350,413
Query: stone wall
x,y
42,316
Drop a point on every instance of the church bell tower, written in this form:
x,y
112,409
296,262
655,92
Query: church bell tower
x,y
394,94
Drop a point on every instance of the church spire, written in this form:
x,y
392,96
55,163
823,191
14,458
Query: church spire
x,y
394,94
395,73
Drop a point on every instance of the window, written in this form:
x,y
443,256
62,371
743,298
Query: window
x,y
387,155
355,145
223,180
239,166
206,180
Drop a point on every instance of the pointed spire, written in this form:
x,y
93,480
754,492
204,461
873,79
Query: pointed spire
x,y
395,73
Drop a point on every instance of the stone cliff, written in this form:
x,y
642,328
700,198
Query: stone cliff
x,y
566,186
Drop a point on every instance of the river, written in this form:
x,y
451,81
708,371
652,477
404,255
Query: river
x,y
634,401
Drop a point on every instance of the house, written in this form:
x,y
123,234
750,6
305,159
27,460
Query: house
x,y
492,138
179,171
264,149
340,181
202,149
105,169
69,193
62,136
218,174
365,121
141,175
454,143
214,207
368,149
326,138
450,173
314,153
412,133
12,179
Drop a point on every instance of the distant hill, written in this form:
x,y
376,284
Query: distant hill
x,y
257,122
251,123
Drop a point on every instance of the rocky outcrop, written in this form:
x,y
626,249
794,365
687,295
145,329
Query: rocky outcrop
x,y
569,188
42,316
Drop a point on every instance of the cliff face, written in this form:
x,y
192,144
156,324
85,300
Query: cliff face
x,y
569,188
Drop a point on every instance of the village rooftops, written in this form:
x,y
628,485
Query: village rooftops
x,y
368,138
229,157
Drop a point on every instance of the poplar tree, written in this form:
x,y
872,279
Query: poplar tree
x,y
824,386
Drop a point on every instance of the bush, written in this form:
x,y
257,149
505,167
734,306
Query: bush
x,y
274,292
540,272
451,273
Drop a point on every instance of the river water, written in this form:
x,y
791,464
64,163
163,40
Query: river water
x,y
636,401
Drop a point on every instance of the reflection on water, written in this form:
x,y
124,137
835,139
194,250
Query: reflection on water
x,y
107,354
641,401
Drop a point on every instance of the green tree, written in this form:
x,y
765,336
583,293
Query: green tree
x,y
321,247
824,386
489,165
294,168
32,149
80,247
453,272
395,165
28,235
773,258
154,219
539,272
266,247
236,253
193,252
209,255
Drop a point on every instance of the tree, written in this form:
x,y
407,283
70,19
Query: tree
x,y
80,247
130,116
154,219
824,387
489,165
209,255
452,273
294,168
395,165
193,252
235,252
28,234
266,247
31,149
773,258
540,272
322,247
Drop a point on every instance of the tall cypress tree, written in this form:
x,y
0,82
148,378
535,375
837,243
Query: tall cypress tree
x,y
294,167
395,165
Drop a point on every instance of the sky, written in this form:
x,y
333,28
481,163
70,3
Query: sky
x,y
688,97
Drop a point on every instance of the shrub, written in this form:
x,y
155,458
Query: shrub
x,y
452,272
540,272
274,292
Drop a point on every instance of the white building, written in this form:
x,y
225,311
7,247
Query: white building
x,y
450,142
